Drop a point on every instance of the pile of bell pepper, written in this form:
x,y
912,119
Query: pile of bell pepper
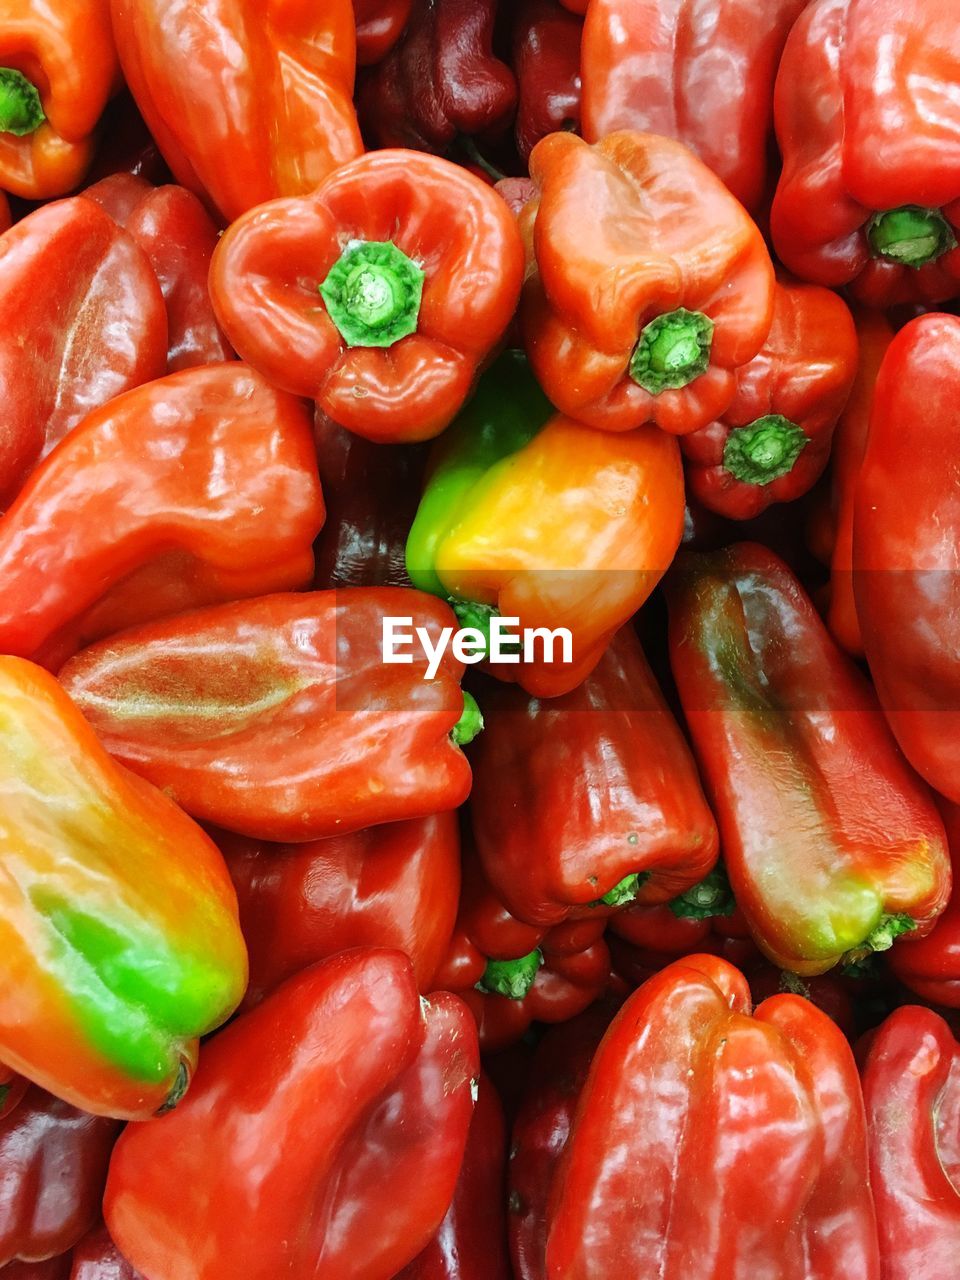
x,y
480,640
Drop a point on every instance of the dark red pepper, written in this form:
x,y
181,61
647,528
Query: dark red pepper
x,y
546,60
96,1257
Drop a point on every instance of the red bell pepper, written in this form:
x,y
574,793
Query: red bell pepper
x,y
12,1089
700,71
471,1243
546,60
441,82
541,1130
832,528
762,681
601,783
211,469
716,1143
905,553
391,886
277,718
379,295
647,284
54,1165
380,24
245,106
911,1087
96,1257
70,281
773,442
58,67
338,1155
868,121
372,492
178,236
931,966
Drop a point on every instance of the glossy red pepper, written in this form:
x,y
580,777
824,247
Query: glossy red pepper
x,y
601,783
906,552
716,1142
471,1243
868,122
911,1087
277,718
700,71
396,886
801,769
211,470
96,1257
73,280
379,295
546,59
178,236
773,442
931,966
53,1160
541,1130
372,492
441,82
245,105
279,1184
380,24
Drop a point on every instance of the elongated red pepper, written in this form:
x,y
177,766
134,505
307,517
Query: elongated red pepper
x,y
931,966
73,280
279,1184
911,1087
546,59
694,1113
96,1257
869,126
211,464
380,24
178,236
471,1243
442,81
905,553
379,295
245,105
54,1161
278,718
762,681
700,71
773,442
391,886
372,492
647,284
601,783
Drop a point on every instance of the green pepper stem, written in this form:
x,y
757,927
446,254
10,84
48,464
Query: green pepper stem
x,y
765,450
476,616
674,349
20,108
711,897
623,891
373,294
511,978
911,235
470,722
180,1086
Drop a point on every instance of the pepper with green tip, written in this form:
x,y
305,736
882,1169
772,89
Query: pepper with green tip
x,y
833,846
118,921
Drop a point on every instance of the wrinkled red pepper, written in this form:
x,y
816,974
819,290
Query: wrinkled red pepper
x,y
441,82
380,24
546,59
471,1243
281,1185
911,1087
96,1257
906,552
73,280
277,717
53,1160
773,442
210,472
697,1110
246,104
700,71
396,886
178,236
877,216
601,783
